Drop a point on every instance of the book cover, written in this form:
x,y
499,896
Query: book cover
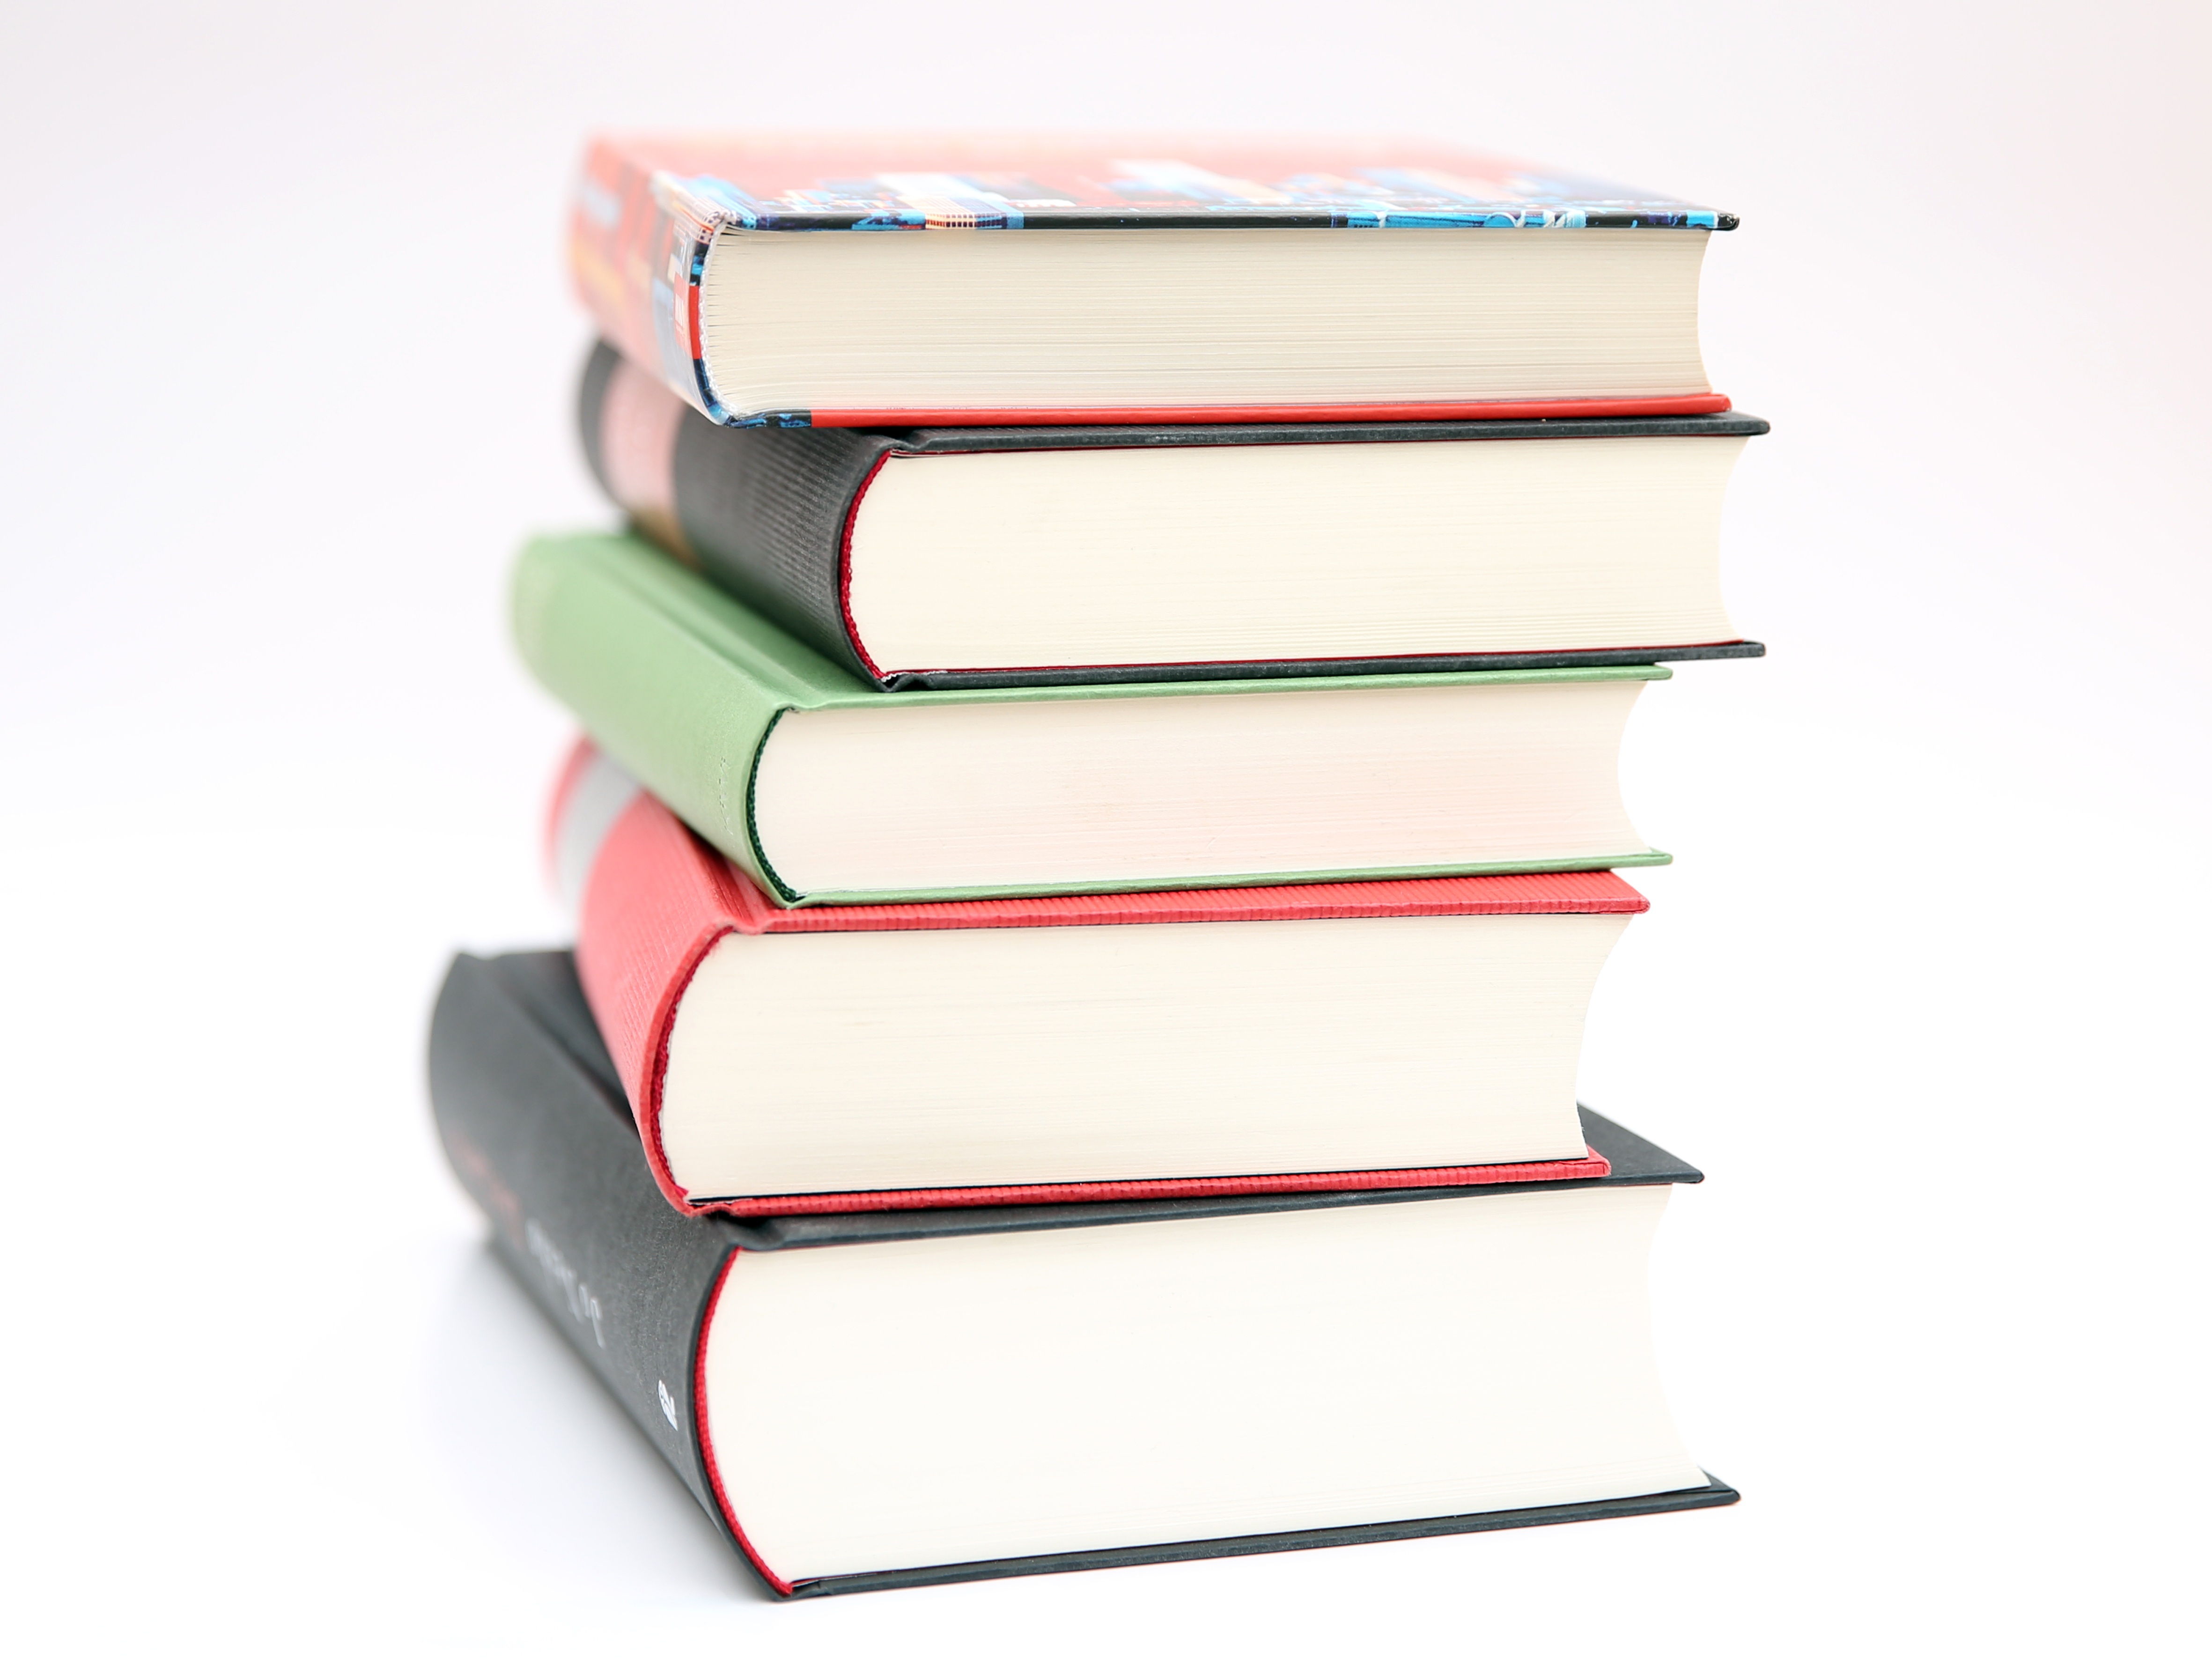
x,y
683,686
768,513
652,900
648,209
533,1121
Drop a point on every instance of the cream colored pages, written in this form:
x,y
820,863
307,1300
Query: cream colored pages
x,y
1077,556
834,1062
1083,319
901,1405
896,798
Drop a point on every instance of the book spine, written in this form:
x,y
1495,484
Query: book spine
x,y
589,793
672,710
638,241
627,421
655,903
550,1157
763,512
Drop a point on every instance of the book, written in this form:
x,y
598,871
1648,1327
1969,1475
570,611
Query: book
x,y
864,1402
953,557
825,790
1371,1034
940,281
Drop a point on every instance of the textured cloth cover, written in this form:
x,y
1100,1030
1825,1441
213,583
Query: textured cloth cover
x,y
768,514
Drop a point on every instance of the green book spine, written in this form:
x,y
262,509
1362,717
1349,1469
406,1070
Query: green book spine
x,y
682,684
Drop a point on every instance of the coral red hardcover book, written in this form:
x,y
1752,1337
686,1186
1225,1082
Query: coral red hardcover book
x,y
953,1055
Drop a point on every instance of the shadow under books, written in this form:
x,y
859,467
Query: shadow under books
x,y
548,1464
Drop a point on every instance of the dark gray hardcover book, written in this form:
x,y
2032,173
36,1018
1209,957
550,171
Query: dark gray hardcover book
x,y
768,514
536,1125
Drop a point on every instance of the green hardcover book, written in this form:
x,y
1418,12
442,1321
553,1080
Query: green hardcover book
x,y
828,791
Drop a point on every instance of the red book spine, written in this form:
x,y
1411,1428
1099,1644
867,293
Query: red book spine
x,y
656,903
637,249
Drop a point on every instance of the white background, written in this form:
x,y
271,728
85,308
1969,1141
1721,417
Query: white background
x,y
287,360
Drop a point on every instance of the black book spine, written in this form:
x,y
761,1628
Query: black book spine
x,y
761,510
546,1148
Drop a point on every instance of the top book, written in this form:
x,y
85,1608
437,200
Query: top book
x,y
1153,279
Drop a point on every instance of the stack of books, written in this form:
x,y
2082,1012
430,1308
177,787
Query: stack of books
x,y
1096,834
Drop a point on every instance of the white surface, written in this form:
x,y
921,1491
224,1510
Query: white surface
x,y
1194,786
1941,890
921,322
1198,555
997,1056
973,1399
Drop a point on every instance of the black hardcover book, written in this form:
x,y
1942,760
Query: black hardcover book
x,y
1083,554
869,1401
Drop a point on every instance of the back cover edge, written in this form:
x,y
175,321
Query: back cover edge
x,y
1715,1494
1288,668
977,440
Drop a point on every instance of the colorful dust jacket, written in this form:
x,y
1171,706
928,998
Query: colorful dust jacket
x,y
647,209
652,900
768,514
683,686
533,1122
